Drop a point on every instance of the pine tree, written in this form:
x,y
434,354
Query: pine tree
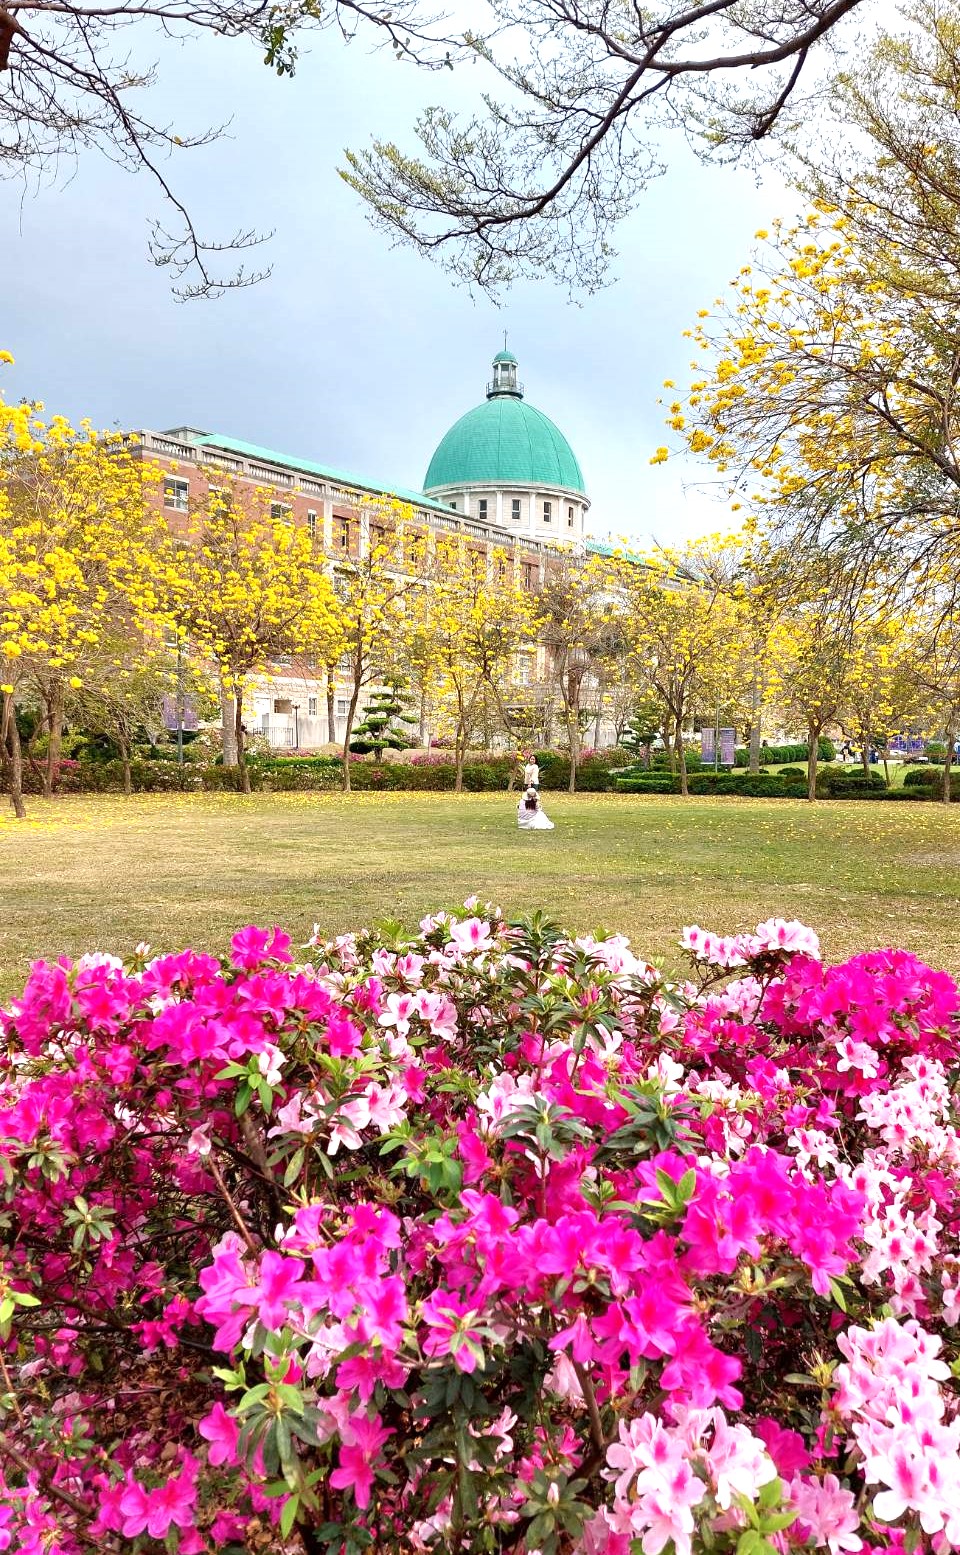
x,y
384,711
641,730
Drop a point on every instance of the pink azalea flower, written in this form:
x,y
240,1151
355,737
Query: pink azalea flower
x,y
472,935
360,1451
221,1431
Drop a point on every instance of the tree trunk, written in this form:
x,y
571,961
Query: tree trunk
x,y
460,756
54,701
865,754
813,756
573,735
424,730
755,699
11,749
948,763
669,747
348,736
681,757
331,706
597,722
241,760
228,720
125,759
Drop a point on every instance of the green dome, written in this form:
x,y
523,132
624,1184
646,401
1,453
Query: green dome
x,y
502,442
505,356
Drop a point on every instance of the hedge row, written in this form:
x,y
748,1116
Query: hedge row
x,y
314,774
931,778
831,784
778,755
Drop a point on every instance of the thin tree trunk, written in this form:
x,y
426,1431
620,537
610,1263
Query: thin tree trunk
x,y
865,754
573,736
331,706
460,748
241,741
755,721
669,729
681,757
813,756
228,721
54,701
948,763
125,759
11,747
348,736
424,731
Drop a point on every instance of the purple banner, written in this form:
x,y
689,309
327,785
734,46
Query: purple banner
x,y
728,740
190,720
708,746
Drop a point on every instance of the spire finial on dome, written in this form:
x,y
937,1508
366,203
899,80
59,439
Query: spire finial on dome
x,y
505,375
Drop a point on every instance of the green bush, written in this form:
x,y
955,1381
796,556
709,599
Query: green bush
x,y
594,773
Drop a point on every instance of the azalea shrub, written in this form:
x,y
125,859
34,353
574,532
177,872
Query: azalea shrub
x,y
487,1238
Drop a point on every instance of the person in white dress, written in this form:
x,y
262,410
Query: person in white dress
x,y
531,773
530,817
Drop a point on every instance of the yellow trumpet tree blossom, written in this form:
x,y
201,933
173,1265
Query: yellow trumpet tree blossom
x,y
580,606
78,542
883,692
247,588
476,618
934,664
371,592
826,390
685,632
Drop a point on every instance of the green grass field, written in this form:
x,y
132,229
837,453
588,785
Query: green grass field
x,y
103,873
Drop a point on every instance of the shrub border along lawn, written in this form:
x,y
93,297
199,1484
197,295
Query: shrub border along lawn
x,y
598,772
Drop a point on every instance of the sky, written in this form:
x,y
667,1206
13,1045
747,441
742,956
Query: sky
x,y
355,353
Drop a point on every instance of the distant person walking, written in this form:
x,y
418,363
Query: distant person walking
x,y
530,817
531,773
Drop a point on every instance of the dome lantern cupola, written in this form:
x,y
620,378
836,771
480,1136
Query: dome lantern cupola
x,y
504,379
509,467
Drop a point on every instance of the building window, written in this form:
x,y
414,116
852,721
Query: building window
x,y
280,512
176,495
378,536
343,707
345,663
482,508
220,500
515,510
311,707
311,523
454,506
570,516
529,574
548,512
343,533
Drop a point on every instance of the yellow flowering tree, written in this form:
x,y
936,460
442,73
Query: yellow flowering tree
x,y
371,593
685,633
78,544
825,386
473,617
580,605
247,588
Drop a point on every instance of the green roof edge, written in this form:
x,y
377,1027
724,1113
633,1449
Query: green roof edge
x,y
310,467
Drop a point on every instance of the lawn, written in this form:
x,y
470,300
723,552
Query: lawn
x,y
103,873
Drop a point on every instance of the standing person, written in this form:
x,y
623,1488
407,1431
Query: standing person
x,y
530,817
531,773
